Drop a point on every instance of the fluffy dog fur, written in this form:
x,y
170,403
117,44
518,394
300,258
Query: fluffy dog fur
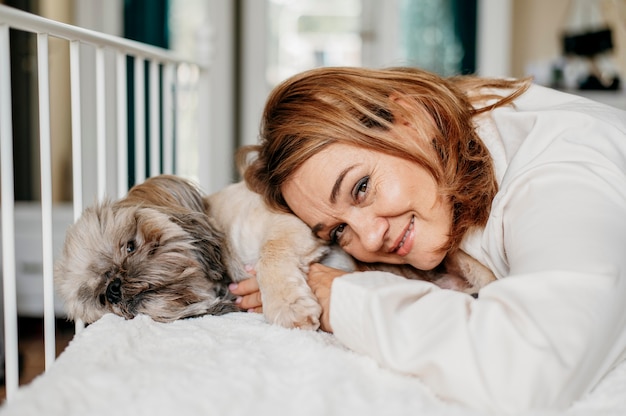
x,y
154,252
169,252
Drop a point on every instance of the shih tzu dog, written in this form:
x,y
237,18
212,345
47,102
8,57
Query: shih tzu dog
x,y
169,252
154,252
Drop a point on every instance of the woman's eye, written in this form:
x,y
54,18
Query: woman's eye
x,y
130,246
335,233
360,189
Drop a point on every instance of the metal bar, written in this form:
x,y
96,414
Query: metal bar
x,y
122,126
77,164
101,123
168,118
203,125
176,105
140,121
43,77
7,195
31,23
155,120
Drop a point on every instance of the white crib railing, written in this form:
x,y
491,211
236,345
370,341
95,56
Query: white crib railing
x,y
159,109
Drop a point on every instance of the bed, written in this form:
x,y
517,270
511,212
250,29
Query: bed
x,y
237,364
233,364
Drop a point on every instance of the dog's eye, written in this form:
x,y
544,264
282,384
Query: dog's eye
x,y
130,246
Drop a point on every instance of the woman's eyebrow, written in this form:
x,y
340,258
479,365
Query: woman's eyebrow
x,y
337,186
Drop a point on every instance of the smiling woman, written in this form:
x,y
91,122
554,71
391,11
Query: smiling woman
x,y
430,125
358,198
402,166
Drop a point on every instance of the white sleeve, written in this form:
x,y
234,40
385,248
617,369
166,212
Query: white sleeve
x,y
541,336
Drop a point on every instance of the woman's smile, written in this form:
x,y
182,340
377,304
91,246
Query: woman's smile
x,y
378,207
403,247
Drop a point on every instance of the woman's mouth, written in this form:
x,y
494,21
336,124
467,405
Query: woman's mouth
x,y
403,247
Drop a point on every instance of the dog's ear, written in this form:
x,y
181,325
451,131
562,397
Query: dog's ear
x,y
209,241
166,191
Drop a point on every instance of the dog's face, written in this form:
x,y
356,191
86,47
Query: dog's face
x,y
154,252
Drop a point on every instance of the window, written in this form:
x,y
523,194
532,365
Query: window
x,y
296,35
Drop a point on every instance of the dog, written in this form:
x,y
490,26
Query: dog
x,y
170,252
154,252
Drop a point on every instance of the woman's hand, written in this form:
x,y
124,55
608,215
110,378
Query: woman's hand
x,y
320,280
248,293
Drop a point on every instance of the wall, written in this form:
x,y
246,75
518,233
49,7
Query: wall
x,y
537,26
60,122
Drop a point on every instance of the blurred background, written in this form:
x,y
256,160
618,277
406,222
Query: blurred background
x,y
575,45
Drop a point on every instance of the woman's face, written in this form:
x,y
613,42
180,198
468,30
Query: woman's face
x,y
379,208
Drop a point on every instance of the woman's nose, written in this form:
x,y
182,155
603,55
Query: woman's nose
x,y
371,232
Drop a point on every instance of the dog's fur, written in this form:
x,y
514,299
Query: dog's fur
x,y
153,252
169,252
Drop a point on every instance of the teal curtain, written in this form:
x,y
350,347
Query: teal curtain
x,y
147,21
440,35
144,21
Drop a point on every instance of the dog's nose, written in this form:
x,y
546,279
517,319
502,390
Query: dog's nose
x,y
114,291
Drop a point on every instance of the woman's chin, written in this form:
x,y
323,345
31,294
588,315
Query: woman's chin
x,y
426,262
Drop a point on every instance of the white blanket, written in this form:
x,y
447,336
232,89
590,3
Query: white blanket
x,y
238,365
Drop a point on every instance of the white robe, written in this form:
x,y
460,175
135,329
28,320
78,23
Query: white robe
x,y
554,322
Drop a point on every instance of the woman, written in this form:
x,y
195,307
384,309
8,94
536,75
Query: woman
x,y
401,166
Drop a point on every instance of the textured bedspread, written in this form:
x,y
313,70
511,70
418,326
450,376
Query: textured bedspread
x,y
237,365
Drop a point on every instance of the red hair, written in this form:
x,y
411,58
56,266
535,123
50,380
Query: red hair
x,y
357,106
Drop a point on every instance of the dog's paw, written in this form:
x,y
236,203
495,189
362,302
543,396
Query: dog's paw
x,y
292,310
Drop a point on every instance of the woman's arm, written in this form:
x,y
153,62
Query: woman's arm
x,y
540,337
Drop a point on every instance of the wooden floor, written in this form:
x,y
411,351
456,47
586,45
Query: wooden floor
x,y
31,347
